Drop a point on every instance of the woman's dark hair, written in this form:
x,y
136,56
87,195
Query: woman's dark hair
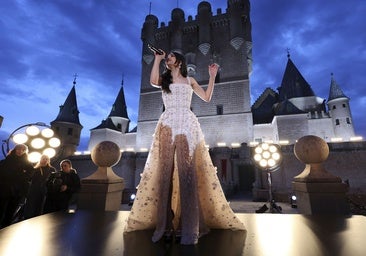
x,y
166,76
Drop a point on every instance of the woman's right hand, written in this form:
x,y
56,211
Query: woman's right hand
x,y
160,57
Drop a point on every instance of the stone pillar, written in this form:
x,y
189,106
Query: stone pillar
x,y
317,191
103,189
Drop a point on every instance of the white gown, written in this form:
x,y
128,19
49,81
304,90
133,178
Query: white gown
x,y
179,165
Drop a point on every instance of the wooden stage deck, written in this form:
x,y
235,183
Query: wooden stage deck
x,y
101,233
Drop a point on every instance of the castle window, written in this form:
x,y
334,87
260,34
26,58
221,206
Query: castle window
x,y
334,107
337,121
219,109
119,126
348,120
344,105
69,131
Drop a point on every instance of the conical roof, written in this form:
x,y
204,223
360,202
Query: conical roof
x,y
335,91
293,84
119,107
69,110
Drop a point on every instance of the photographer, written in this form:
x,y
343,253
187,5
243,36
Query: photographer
x,y
62,186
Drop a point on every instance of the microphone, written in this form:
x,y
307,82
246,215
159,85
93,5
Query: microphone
x,y
154,49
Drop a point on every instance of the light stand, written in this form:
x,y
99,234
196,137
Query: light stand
x,y
273,207
268,158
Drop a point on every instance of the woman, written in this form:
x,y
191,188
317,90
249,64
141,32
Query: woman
x,y
179,190
15,174
38,189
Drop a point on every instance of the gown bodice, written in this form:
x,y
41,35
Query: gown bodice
x,y
179,98
178,115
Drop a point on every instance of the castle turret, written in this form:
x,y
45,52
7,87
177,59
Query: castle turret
x,y
176,30
340,112
115,126
241,27
204,18
118,114
148,36
67,125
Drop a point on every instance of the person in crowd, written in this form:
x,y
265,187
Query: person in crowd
x,y
15,175
62,187
179,192
38,188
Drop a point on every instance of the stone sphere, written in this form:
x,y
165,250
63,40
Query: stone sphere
x,y
106,154
311,149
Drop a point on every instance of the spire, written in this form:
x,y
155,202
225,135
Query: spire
x,y
75,76
69,110
119,108
288,52
335,91
118,119
293,84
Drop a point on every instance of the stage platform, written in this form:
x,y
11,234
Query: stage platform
x,y
87,233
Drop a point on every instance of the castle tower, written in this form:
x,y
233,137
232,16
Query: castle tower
x,y
114,126
67,125
291,113
340,112
224,38
295,94
118,114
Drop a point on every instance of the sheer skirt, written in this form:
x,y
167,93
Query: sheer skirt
x,y
179,189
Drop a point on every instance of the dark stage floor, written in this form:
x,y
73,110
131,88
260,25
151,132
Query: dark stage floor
x,y
101,233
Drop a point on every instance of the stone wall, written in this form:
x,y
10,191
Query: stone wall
x,y
346,160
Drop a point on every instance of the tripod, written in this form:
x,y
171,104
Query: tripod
x,y
273,207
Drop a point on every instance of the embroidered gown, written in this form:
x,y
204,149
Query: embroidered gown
x,y
179,175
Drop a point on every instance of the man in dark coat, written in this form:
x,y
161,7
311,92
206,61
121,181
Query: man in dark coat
x,y
15,175
62,187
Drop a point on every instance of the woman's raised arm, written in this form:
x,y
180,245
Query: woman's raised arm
x,y
155,71
206,95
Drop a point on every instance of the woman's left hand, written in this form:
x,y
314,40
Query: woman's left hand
x,y
213,69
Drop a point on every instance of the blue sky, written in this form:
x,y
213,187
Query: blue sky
x,y
44,43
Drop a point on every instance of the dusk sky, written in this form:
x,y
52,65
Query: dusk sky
x,y
44,43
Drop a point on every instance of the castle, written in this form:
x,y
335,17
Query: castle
x,y
229,122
